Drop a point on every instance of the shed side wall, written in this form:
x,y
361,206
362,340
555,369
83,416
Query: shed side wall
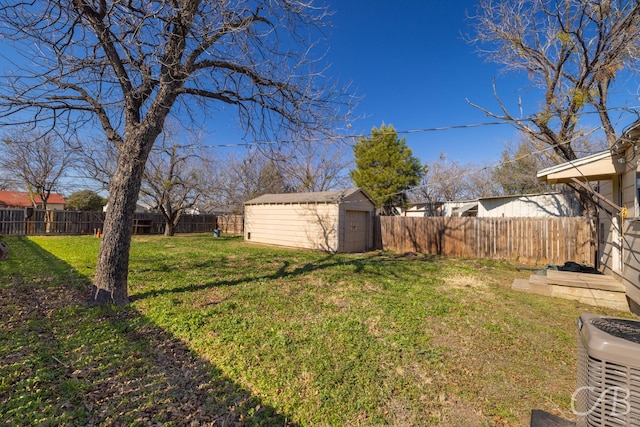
x,y
309,226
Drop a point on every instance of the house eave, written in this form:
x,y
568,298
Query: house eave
x,y
597,167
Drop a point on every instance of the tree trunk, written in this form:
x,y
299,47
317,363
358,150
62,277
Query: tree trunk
x,y
167,215
169,230
110,282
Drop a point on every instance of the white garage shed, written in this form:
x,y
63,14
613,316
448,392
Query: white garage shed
x,y
332,221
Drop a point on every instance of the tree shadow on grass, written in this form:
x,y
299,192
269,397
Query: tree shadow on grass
x,y
65,363
285,271
282,272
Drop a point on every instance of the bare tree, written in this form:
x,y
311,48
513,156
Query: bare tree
x,y
125,66
312,165
98,160
37,161
572,51
447,180
516,173
480,182
174,179
5,182
444,180
244,178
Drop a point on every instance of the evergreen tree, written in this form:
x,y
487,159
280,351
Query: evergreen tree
x,y
385,168
85,200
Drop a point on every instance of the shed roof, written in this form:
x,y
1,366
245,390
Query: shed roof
x,y
315,197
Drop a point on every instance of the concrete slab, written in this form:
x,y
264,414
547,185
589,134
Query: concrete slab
x,y
586,295
584,280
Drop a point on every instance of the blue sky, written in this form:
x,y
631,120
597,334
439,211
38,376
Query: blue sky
x,y
410,62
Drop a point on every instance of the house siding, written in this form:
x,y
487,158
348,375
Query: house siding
x,y
631,237
55,207
631,276
619,254
605,230
629,193
618,226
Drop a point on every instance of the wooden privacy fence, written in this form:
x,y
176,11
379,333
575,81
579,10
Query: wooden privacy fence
x,y
33,222
22,222
231,224
524,240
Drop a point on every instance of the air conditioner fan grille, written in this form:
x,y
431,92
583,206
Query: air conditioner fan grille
x,y
620,328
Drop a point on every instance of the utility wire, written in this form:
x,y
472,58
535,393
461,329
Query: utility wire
x,y
352,136
401,132
414,131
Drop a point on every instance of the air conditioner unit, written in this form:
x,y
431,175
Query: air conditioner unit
x,y
608,392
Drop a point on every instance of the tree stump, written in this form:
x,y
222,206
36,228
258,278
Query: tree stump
x,y
4,251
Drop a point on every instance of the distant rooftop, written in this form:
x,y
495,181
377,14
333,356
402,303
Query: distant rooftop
x,y
20,199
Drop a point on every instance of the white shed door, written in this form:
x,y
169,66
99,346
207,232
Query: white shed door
x,y
356,231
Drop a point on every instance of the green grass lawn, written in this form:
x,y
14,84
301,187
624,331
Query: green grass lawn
x,y
225,333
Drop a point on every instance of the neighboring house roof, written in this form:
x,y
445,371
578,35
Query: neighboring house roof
x,y
21,199
316,197
467,208
596,167
539,204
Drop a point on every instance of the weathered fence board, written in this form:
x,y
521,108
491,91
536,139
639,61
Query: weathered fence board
x,y
232,224
75,222
36,222
12,221
525,240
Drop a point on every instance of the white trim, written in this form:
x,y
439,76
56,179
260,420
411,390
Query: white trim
x,y
596,167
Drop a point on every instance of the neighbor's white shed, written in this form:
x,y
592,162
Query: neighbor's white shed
x,y
333,221
553,204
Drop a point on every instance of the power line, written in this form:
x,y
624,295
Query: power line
x,y
408,131
496,165
354,136
402,132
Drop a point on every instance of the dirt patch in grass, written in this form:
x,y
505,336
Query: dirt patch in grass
x,y
460,281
